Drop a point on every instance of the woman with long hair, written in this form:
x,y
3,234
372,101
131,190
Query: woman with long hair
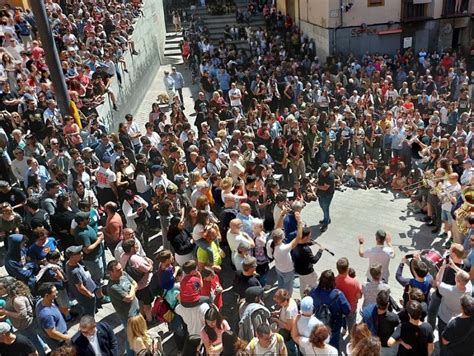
x,y
137,335
211,333
181,241
358,333
369,346
19,308
327,293
316,345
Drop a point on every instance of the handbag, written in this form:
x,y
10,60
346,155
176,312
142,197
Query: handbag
x,y
161,310
155,349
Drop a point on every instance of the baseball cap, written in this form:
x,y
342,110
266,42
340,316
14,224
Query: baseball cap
x,y
252,293
87,149
81,216
470,161
307,305
325,167
156,167
5,327
105,159
73,250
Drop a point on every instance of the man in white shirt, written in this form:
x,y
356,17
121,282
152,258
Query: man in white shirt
x,y
169,85
378,254
235,96
193,317
19,165
134,133
466,176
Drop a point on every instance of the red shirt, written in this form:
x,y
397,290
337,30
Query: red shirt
x,y
190,290
351,289
210,286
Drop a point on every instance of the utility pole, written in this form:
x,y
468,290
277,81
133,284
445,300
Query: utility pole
x,y
52,57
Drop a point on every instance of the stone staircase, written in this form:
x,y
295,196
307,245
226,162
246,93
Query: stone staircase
x,y
216,25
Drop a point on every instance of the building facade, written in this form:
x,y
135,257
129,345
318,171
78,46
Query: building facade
x,y
383,26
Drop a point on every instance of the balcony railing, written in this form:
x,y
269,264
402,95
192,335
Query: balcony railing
x,y
414,12
450,10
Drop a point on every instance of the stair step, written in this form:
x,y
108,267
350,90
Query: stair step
x,y
174,39
174,35
172,52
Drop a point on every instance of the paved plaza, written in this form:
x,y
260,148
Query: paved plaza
x,y
353,213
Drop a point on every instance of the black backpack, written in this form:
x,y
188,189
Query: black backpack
x,y
323,312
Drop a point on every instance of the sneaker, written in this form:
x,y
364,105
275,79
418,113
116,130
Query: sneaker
x,y
105,299
324,228
443,235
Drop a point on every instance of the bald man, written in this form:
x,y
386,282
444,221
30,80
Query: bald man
x,y
245,215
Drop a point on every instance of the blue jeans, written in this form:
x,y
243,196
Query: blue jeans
x,y
324,203
285,280
128,350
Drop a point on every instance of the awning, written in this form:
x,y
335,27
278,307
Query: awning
x,y
389,32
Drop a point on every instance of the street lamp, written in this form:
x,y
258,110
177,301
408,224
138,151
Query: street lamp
x,y
52,57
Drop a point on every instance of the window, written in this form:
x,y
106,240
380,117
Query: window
x,y
371,3
412,11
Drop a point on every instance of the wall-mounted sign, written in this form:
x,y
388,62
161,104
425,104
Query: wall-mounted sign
x,y
355,32
407,42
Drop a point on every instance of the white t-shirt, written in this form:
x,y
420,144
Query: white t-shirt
x,y
235,102
282,256
105,177
193,317
382,255
306,324
289,312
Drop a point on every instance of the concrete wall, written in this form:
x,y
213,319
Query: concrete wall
x,y
149,37
361,13
320,36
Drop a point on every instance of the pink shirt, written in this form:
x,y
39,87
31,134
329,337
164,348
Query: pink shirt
x,y
219,332
140,264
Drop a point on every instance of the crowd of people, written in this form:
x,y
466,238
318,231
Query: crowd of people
x,y
276,128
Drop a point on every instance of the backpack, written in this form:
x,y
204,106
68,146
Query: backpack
x,y
323,312
162,311
253,343
250,323
133,272
268,249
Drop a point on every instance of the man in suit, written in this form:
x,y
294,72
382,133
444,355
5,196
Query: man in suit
x,y
95,338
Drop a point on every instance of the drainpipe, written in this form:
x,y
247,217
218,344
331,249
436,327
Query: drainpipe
x,y
341,4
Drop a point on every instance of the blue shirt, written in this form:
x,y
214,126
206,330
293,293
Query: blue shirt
x,y
38,253
224,80
49,317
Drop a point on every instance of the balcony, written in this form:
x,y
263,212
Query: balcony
x,y
414,10
449,8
